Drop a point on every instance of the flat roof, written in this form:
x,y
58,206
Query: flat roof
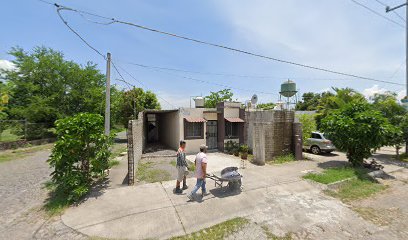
x,y
159,111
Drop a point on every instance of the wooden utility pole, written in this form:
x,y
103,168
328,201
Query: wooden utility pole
x,y
107,103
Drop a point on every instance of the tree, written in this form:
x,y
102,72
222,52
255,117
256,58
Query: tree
x,y
265,106
80,154
308,125
310,102
135,101
358,129
388,105
214,98
330,102
45,87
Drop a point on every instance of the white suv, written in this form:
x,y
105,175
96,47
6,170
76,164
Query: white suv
x,y
318,144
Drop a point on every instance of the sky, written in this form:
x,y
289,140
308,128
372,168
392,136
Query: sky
x,y
338,35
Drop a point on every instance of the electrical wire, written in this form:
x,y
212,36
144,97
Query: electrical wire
x,y
142,84
60,8
377,13
396,13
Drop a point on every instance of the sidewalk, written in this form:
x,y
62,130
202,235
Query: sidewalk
x,y
271,194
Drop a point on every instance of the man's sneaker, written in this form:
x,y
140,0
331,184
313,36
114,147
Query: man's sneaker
x,y
178,191
190,197
185,187
204,194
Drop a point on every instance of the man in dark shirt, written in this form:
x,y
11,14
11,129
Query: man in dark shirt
x,y
181,166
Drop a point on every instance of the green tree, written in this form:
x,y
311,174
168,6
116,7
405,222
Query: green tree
x,y
310,101
308,122
135,101
214,98
331,102
46,87
388,105
265,106
358,129
80,154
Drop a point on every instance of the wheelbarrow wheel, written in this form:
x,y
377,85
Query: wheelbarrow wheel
x,y
235,185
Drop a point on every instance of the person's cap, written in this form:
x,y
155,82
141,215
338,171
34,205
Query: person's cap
x,y
182,142
203,146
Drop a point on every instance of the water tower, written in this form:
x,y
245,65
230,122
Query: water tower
x,y
289,93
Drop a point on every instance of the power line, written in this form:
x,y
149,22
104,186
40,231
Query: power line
x,y
396,13
208,82
377,13
229,74
141,84
60,8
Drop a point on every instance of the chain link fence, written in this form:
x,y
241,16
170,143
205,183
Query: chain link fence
x,y
17,130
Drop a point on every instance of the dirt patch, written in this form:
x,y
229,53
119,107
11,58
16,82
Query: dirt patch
x,y
388,208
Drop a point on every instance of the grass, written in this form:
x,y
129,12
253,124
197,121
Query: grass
x,y
216,232
282,159
271,236
116,151
7,136
57,201
402,157
332,175
359,186
381,217
147,173
9,155
191,166
356,189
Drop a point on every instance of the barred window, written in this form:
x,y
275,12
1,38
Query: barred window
x,y
231,130
193,130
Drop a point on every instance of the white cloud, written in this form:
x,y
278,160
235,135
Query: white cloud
x,y
6,65
369,92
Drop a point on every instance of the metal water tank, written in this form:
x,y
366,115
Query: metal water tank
x,y
288,89
199,102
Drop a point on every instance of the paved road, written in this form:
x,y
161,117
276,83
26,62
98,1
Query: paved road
x,y
22,197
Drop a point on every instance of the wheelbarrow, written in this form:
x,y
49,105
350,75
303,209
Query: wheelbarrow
x,y
230,175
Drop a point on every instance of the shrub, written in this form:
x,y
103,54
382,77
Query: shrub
x,y
80,154
308,122
358,129
244,148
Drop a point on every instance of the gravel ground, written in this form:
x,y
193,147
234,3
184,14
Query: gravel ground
x,y
22,197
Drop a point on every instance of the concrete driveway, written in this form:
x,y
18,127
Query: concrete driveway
x,y
272,195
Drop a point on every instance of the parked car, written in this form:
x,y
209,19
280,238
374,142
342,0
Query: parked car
x,y
318,143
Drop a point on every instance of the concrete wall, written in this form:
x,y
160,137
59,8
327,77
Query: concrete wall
x,y
269,133
169,129
135,146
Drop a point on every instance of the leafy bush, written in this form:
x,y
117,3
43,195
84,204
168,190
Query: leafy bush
x,y
80,154
231,147
358,129
308,122
243,148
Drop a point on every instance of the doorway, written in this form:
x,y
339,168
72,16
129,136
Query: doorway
x,y
211,134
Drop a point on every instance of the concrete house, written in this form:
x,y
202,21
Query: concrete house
x,y
199,125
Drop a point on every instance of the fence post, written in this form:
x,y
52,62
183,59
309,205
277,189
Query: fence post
x,y
131,159
25,129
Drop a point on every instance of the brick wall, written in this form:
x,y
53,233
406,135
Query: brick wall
x,y
135,146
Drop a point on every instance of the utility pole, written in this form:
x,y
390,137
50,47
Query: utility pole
x,y
107,103
389,9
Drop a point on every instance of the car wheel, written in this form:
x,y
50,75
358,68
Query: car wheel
x,y
315,150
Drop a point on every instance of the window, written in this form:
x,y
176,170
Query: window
x,y
193,130
231,130
316,136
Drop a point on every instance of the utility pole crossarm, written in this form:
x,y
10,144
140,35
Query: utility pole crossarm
x,y
389,9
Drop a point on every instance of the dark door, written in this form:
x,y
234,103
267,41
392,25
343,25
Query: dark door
x,y
211,134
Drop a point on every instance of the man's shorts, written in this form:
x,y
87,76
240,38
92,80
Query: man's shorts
x,y
181,172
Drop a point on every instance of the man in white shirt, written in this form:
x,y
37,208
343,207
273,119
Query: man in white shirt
x,y
200,172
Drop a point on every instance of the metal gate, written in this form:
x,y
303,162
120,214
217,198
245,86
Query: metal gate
x,y
211,134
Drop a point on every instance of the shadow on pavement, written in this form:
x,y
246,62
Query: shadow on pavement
x,y
224,192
